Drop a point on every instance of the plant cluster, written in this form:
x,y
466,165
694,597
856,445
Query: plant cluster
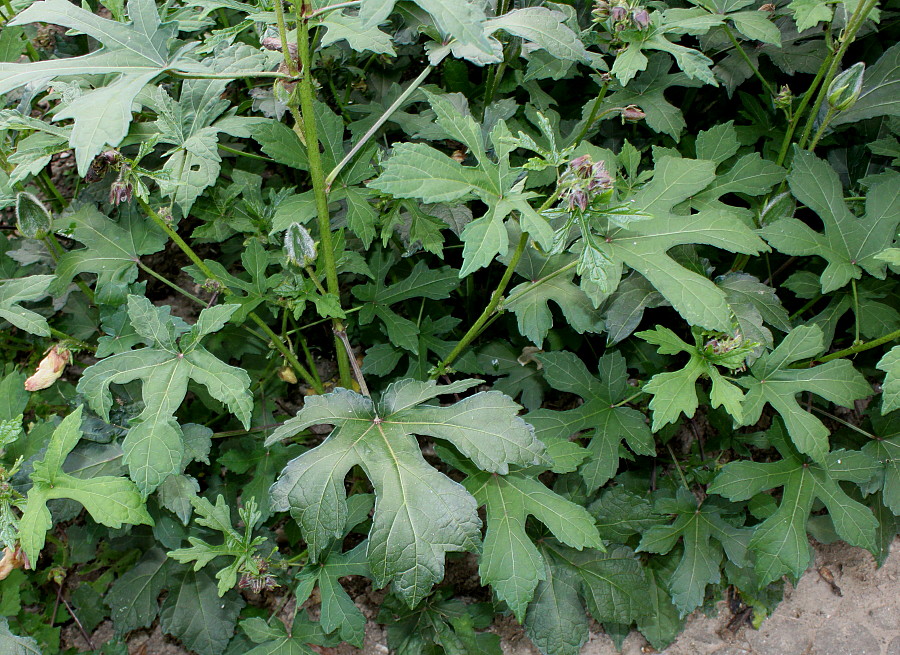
x,y
301,300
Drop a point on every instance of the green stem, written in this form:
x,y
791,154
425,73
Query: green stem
x,y
289,62
534,285
863,8
332,176
828,118
678,466
317,174
802,310
856,339
496,297
187,250
843,422
77,342
228,76
339,5
251,155
628,400
187,294
61,202
804,101
593,115
847,352
740,49
287,354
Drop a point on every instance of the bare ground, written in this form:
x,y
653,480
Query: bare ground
x,y
812,620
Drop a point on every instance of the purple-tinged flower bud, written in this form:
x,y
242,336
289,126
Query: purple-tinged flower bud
x,y
618,14
633,114
600,11
641,19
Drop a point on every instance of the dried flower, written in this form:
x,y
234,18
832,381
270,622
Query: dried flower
x,y
767,7
286,374
120,192
101,165
13,559
50,368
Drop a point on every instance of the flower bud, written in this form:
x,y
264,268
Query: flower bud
x,y
600,11
633,114
299,246
50,368
641,19
618,14
846,87
785,98
32,218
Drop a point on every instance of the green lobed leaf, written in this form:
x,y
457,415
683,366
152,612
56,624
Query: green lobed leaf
x,y
420,514
772,381
13,292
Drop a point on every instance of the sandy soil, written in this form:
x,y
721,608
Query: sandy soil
x,y
812,620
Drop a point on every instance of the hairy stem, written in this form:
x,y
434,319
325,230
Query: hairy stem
x,y
307,108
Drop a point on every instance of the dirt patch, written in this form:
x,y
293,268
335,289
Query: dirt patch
x,y
812,620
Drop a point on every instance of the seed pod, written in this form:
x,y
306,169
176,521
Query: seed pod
x,y
846,87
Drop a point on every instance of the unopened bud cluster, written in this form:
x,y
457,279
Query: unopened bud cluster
x,y
582,181
621,14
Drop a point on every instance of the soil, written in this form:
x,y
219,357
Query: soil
x,y
859,616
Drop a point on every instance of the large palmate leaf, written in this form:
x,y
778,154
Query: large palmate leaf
x,y
111,250
416,170
772,381
13,644
420,514
154,446
461,19
194,613
109,500
137,52
510,563
644,244
648,91
848,243
675,392
134,596
603,422
611,585
697,525
273,637
780,542
885,450
13,292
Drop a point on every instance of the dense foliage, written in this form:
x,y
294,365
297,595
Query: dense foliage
x,y
300,301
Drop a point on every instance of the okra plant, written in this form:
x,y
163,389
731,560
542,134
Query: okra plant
x,y
308,309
